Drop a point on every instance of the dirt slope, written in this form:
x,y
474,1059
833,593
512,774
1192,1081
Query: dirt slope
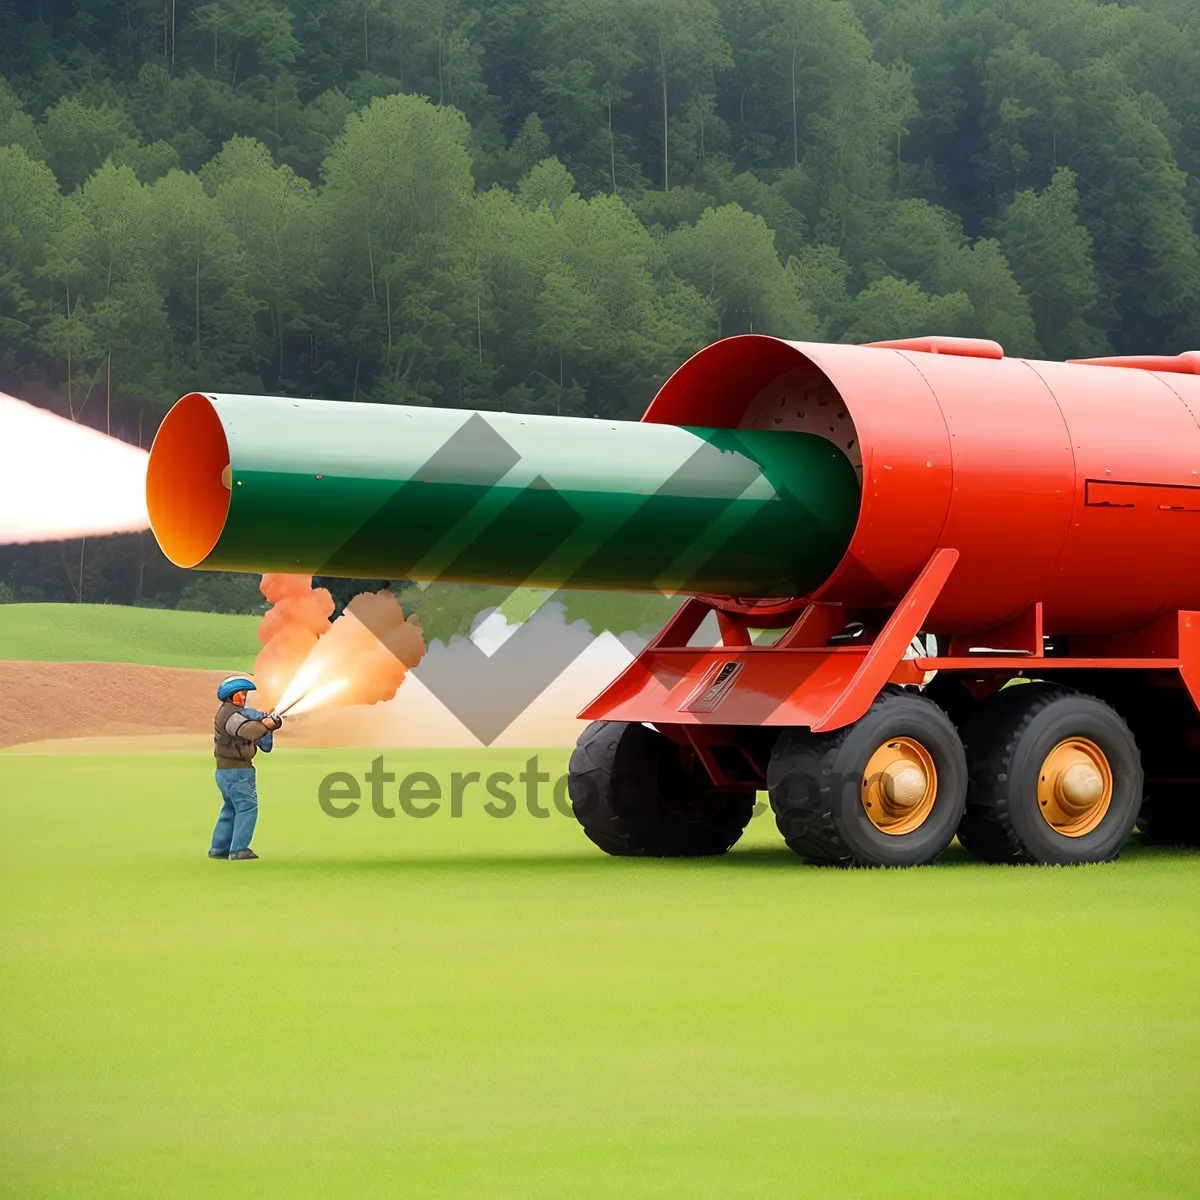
x,y
40,700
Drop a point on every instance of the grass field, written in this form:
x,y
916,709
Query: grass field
x,y
115,633
170,638
489,1007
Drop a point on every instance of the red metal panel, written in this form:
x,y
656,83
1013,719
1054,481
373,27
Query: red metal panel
x,y
1188,393
1189,653
1187,363
1102,493
939,344
1024,634
907,471
1012,664
1121,567
1014,483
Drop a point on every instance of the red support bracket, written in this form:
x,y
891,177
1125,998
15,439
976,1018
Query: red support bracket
x,y
702,739
1189,652
678,631
1022,634
814,626
888,648
735,631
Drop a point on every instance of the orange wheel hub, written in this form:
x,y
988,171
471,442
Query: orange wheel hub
x,y
1075,787
899,786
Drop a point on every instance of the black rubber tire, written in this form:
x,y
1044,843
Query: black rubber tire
x,y
1007,741
1170,815
638,793
815,783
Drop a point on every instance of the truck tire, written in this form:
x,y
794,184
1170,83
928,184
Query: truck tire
x,y
638,793
1166,726
885,791
1170,815
1055,778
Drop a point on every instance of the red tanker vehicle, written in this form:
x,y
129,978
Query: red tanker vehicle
x,y
1019,520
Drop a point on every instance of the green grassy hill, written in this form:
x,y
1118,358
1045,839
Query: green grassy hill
x,y
114,633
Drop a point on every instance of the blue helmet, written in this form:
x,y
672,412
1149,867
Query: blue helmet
x,y
234,684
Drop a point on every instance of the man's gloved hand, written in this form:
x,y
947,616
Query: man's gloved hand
x,y
272,720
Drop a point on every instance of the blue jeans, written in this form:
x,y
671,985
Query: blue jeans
x,y
239,812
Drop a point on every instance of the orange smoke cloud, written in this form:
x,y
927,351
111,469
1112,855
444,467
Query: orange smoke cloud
x,y
361,658
289,631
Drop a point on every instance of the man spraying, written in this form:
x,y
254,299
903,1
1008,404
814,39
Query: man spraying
x,y
238,734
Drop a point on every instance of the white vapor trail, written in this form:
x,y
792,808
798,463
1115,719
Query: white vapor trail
x,y
62,480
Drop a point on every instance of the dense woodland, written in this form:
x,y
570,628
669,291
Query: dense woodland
x,y
545,205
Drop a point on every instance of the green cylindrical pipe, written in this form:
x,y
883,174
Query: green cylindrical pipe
x,y
255,483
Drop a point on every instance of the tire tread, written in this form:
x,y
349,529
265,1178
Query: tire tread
x,y
803,813
640,830
991,739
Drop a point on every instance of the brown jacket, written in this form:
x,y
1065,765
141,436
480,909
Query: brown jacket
x,y
234,737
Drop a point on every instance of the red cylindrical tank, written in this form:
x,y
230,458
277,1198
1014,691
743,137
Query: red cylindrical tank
x,y
1069,484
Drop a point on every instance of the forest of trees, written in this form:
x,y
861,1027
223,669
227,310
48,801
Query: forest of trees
x,y
546,205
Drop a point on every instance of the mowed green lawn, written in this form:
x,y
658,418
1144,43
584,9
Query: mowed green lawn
x,y
115,633
489,1007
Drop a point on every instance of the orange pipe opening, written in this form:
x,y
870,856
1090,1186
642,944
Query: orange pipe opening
x,y
188,481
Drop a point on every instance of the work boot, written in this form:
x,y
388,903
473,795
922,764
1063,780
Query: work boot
x,y
218,854
242,854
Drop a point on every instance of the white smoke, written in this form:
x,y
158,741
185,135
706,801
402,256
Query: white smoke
x,y
62,480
